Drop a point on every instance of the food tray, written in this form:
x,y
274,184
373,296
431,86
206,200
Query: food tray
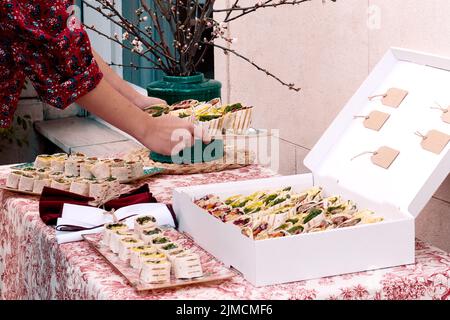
x,y
213,270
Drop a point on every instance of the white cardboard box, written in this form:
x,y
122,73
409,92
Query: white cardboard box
x,y
398,193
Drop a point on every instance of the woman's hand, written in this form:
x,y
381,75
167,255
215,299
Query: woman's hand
x,y
143,101
168,135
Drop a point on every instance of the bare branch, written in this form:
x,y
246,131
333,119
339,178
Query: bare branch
x,y
226,50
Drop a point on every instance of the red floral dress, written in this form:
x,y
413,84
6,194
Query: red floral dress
x,y
38,42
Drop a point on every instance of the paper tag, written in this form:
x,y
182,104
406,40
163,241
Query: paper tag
x,y
394,97
384,157
435,141
376,120
446,116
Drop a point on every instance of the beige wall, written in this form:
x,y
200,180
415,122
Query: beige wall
x,y
329,50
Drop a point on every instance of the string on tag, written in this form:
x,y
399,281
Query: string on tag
x,y
113,214
361,117
417,133
439,107
384,95
364,153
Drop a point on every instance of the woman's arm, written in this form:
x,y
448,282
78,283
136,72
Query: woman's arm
x,y
157,134
123,87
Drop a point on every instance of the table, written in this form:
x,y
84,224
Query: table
x,y
33,266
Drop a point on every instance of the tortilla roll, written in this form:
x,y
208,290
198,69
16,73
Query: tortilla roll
x,y
110,228
26,182
43,173
72,167
98,189
79,186
160,241
144,222
125,245
120,173
57,164
117,162
135,252
187,266
148,235
13,179
61,184
40,184
101,170
169,248
85,170
135,168
42,161
155,272
150,256
175,253
116,236
56,175
77,156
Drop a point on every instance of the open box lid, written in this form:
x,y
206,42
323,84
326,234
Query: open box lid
x,y
415,175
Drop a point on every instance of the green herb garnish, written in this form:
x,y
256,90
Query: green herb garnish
x,y
312,214
170,246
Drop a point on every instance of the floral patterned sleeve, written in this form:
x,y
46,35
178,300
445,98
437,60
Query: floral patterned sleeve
x,y
36,42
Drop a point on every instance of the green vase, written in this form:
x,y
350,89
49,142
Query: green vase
x,y
174,88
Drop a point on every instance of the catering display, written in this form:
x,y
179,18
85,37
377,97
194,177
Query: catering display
x,y
154,257
286,229
77,173
214,115
278,213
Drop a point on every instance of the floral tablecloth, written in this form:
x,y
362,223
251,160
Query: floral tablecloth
x,y
33,266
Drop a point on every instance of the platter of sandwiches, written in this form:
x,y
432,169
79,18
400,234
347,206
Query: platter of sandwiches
x,y
278,213
77,173
152,257
214,115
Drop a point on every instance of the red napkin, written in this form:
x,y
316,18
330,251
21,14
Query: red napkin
x,y
52,201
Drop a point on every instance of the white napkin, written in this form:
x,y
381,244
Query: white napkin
x,y
90,217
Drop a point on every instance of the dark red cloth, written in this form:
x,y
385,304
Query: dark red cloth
x,y
40,40
52,201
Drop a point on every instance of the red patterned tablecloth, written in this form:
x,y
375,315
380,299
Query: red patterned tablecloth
x,y
33,266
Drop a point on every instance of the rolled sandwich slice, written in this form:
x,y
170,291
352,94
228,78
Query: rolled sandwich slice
x,y
148,235
110,228
116,236
12,181
155,272
135,169
40,184
135,253
43,173
72,167
120,173
125,245
26,182
42,161
57,164
80,186
61,184
169,247
160,241
187,266
101,169
98,189
56,175
150,256
144,222
85,169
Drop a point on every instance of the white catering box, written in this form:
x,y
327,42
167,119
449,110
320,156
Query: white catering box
x,y
398,193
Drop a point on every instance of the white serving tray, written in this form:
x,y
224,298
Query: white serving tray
x,y
398,194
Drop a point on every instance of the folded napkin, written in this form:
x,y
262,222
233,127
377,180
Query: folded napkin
x,y
78,220
52,201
